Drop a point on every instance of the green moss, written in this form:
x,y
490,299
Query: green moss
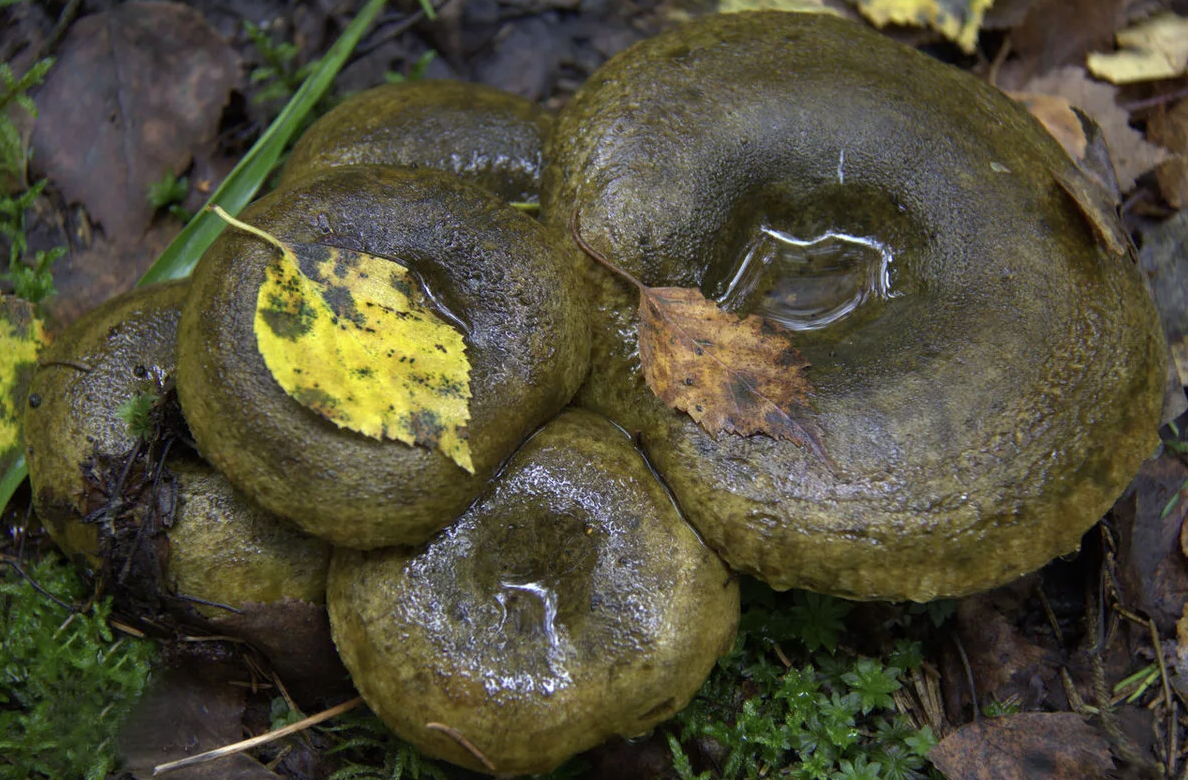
x,y
831,717
66,682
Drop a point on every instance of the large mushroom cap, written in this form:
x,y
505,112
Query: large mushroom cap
x,y
986,377
489,268
478,133
569,604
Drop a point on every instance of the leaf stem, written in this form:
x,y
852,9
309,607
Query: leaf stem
x,y
575,228
245,227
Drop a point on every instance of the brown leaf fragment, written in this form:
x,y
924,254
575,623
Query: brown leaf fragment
x,y
1131,154
1098,208
1169,129
735,375
1026,746
1151,561
1164,259
731,375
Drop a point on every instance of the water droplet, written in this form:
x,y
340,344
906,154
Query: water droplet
x,y
806,284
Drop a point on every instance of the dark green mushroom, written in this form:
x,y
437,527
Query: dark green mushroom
x,y
570,604
478,133
75,433
489,269
985,375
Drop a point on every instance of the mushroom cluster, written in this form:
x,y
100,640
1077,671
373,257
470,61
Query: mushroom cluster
x,y
986,373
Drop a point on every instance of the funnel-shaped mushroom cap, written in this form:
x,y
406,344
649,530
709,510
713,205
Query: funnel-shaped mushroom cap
x,y
569,604
986,367
478,133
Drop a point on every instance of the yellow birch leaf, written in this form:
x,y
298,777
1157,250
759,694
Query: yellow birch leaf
x,y
21,340
1156,48
352,337
957,20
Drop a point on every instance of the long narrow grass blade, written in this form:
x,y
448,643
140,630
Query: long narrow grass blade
x,y
11,480
238,189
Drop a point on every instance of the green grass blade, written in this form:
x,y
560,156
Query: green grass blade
x,y
12,479
245,179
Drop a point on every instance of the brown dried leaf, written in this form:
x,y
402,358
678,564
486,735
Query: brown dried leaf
x,y
1151,562
738,376
731,375
1027,746
1131,154
1169,129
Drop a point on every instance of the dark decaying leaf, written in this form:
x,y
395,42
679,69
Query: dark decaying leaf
x,y
1026,746
135,91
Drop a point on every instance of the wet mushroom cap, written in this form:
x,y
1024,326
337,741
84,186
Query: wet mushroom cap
x,y
487,267
225,549
570,604
478,133
73,429
982,409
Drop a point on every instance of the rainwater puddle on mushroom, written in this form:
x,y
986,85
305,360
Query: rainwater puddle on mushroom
x,y
530,609
808,283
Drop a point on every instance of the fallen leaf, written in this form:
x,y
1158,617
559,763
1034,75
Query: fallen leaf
x,y
99,268
1169,129
957,20
187,710
1005,663
1155,48
1131,154
135,91
1027,746
1151,563
1099,208
21,339
1164,261
731,375
739,376
351,337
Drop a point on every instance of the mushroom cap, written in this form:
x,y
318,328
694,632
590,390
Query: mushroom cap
x,y
478,133
225,549
493,269
102,360
980,415
569,604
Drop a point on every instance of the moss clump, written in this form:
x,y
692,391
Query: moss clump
x,y
66,682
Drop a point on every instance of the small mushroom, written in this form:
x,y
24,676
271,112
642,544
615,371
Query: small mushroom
x,y
986,375
571,603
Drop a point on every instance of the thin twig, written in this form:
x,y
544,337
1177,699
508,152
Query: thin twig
x,y
248,744
973,690
16,567
458,737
